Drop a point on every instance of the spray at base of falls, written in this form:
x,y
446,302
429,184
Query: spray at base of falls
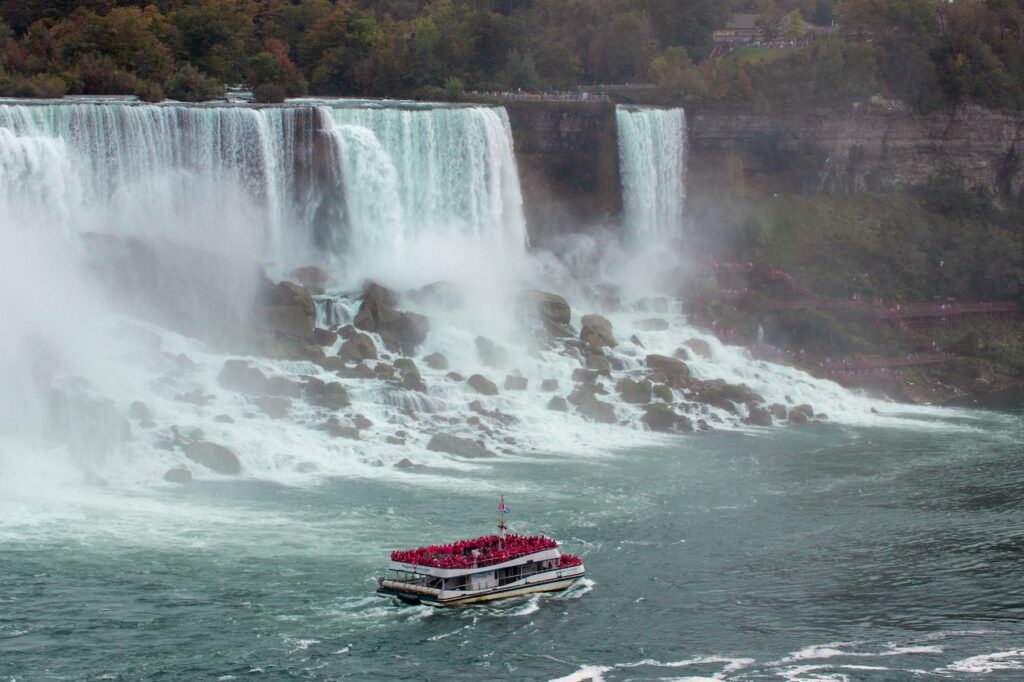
x,y
426,193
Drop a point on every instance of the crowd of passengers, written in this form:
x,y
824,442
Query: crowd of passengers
x,y
486,550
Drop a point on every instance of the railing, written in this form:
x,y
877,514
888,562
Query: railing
x,y
408,587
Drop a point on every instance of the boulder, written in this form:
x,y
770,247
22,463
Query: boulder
x,y
358,347
491,354
599,363
558,404
242,377
483,385
179,474
328,394
514,383
400,330
652,324
405,462
549,385
636,392
676,372
635,340
454,445
455,376
214,456
413,382
551,310
311,277
324,337
288,311
274,407
662,392
722,395
596,332
758,416
356,371
362,422
140,412
224,419
436,361
778,410
337,429
597,411
662,418
347,331
586,376
385,371
406,366
699,347
801,414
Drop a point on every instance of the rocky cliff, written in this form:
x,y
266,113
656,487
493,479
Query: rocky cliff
x,y
868,148
568,160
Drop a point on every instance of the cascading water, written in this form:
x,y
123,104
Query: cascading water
x,y
652,168
415,172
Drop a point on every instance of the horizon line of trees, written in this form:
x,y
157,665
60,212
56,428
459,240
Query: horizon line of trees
x,y
926,52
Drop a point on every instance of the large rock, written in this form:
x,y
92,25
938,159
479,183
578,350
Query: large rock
x,y
454,445
598,411
358,347
801,414
288,311
722,395
596,332
327,394
758,416
491,354
242,377
551,310
514,383
179,474
700,347
214,456
483,385
436,361
324,337
558,404
549,385
637,392
675,372
311,277
400,330
662,418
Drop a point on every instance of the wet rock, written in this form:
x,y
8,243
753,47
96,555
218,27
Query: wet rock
x,y
549,385
662,392
224,419
357,348
599,363
596,332
327,394
698,347
331,363
491,354
436,361
454,445
455,376
598,411
806,409
400,330
637,392
801,414
347,331
242,377
214,456
652,324
483,385
778,410
288,311
586,376
636,341
311,277
514,383
274,407
722,395
140,412
558,404
362,422
178,474
758,416
385,371
413,382
323,337
675,371
337,429
395,440
663,419
405,462
406,366
551,310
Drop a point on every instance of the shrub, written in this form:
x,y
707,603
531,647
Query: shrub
x,y
189,85
47,86
269,93
148,91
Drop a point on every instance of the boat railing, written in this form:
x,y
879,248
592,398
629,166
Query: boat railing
x,y
403,586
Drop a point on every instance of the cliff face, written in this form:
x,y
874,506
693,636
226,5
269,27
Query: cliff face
x,y
568,159
859,150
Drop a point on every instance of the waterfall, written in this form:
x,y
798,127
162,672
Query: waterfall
x,y
413,172
652,167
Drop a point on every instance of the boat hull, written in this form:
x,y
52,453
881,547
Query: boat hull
x,y
453,598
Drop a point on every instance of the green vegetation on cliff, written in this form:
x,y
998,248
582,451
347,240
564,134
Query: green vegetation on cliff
x,y
926,52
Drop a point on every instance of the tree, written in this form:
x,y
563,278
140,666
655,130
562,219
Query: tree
x,y
794,27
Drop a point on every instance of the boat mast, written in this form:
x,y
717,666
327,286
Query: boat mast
x,y
501,522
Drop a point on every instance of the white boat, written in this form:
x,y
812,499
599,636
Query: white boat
x,y
479,570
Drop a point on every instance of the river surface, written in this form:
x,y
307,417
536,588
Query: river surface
x,y
824,552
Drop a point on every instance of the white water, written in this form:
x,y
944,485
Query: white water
x,y
430,193
652,168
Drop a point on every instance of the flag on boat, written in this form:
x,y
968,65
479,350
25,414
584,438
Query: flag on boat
x,y
503,508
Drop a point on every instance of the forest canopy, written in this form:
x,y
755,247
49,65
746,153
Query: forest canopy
x,y
924,52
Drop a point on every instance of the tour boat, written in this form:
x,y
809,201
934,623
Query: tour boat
x,y
483,569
